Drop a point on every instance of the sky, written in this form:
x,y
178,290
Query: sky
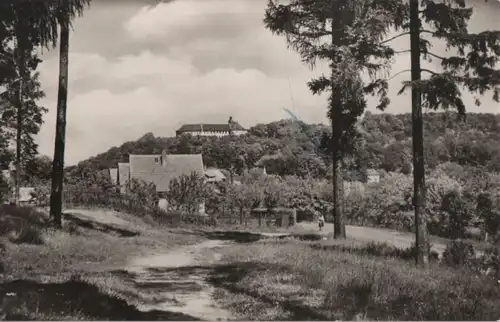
x,y
139,66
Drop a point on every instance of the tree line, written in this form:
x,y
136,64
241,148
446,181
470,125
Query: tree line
x,y
25,27
352,36
286,147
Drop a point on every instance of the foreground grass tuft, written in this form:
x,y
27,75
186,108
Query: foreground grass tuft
x,y
289,280
69,273
74,299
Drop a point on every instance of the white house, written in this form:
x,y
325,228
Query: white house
x,y
372,176
219,130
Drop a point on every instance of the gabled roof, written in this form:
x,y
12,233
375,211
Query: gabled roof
x,y
210,127
151,168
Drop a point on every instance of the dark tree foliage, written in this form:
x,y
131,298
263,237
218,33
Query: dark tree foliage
x,y
348,35
470,66
21,115
380,134
472,57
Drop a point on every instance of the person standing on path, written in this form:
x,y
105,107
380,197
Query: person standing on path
x,y
321,221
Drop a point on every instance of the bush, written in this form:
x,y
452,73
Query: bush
x,y
142,193
22,224
5,189
454,216
488,211
186,193
388,203
460,254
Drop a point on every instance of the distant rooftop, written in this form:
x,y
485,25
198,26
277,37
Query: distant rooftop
x,y
161,169
202,127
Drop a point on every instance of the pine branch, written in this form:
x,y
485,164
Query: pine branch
x,y
425,31
395,37
399,73
434,55
428,71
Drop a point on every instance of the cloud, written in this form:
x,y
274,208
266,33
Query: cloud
x,y
178,62
161,94
163,21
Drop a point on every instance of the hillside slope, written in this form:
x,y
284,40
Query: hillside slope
x,y
290,148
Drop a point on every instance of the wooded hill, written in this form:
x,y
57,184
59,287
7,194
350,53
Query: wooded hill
x,y
292,148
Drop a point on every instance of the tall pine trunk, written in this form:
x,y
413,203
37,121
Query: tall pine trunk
x,y
338,200
20,62
59,144
19,122
421,234
335,114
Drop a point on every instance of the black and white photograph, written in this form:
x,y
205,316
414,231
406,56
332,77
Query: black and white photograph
x,y
250,160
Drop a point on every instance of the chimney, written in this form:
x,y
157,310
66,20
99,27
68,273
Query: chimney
x,y
164,157
230,124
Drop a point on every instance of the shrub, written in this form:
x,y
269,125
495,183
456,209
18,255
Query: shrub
x,y
142,193
273,190
454,216
460,254
5,189
490,261
439,185
388,202
42,194
244,197
186,193
488,210
22,224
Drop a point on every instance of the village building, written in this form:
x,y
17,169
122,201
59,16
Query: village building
x,y
159,169
113,175
123,176
218,130
214,175
372,176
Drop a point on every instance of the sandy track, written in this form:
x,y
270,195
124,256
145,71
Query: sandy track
x,y
179,278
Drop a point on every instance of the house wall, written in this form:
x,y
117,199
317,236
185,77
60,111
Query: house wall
x,y
373,179
163,205
214,133
123,176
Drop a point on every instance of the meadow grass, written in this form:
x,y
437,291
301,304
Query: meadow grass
x,y
290,280
71,268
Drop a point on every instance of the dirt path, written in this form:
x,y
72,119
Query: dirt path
x,y
378,235
178,279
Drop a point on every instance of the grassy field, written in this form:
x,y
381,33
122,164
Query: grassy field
x,y
71,273
76,273
290,280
